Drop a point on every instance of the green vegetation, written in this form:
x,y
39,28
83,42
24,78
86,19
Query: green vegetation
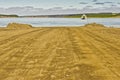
x,y
89,15
95,15
3,15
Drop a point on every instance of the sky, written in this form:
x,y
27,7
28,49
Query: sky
x,y
50,7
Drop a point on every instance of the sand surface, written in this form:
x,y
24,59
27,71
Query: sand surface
x,y
81,53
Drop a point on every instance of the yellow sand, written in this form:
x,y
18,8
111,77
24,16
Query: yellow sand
x,y
18,26
74,53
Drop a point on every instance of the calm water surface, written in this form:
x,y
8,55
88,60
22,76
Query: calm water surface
x,y
60,21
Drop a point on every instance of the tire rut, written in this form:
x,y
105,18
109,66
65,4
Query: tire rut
x,y
101,53
5,64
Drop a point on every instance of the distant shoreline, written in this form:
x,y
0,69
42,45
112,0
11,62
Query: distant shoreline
x,y
59,17
89,15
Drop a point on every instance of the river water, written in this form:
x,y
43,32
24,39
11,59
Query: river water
x,y
112,22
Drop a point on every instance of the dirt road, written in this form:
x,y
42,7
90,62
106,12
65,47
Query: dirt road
x,y
60,54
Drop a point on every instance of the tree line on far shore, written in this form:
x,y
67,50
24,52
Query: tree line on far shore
x,y
89,15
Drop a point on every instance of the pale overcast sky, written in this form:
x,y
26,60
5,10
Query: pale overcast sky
x,y
42,7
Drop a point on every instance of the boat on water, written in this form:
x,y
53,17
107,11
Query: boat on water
x,y
84,17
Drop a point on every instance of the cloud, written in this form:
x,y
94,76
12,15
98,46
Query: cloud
x,y
109,2
89,6
99,3
83,3
29,10
56,8
118,3
112,9
113,5
94,1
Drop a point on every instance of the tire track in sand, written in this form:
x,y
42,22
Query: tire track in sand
x,y
8,64
82,49
107,58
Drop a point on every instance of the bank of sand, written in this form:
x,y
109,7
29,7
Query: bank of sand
x,y
74,53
